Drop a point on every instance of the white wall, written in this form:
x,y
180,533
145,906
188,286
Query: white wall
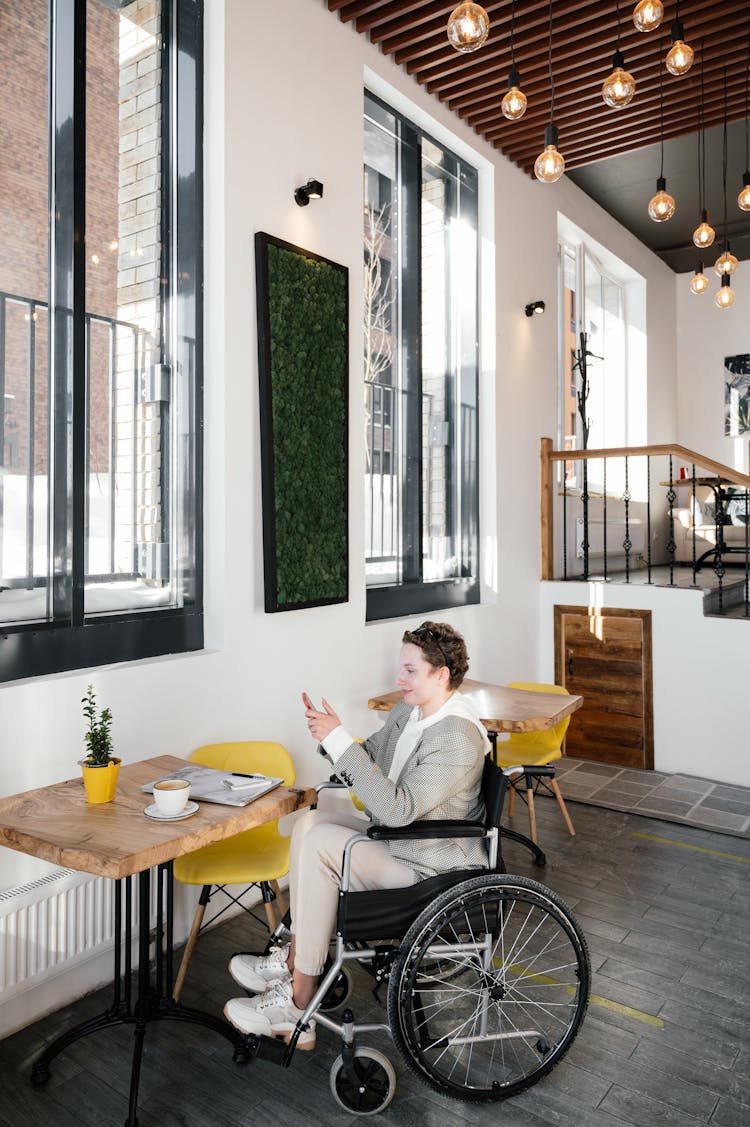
x,y
274,118
705,335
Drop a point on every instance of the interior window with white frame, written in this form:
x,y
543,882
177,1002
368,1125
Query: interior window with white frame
x,y
600,328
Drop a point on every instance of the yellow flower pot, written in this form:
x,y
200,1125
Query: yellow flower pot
x,y
100,782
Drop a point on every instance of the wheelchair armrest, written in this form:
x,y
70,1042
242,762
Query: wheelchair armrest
x,y
334,783
541,772
440,828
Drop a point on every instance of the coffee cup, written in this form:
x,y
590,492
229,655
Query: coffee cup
x,y
171,795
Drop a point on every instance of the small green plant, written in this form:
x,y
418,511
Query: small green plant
x,y
98,735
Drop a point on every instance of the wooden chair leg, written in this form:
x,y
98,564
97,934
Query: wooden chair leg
x,y
192,939
532,813
281,903
511,799
563,807
271,920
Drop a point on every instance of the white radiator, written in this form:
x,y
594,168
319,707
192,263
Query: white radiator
x,y
615,537
54,923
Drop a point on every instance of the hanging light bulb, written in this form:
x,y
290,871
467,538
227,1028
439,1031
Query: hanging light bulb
x,y
726,263
699,281
704,234
662,206
618,89
648,14
468,26
681,55
514,103
743,199
725,297
550,164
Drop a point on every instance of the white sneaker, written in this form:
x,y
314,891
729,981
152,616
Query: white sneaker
x,y
273,1015
258,972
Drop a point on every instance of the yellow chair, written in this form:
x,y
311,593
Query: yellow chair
x,y
535,749
256,857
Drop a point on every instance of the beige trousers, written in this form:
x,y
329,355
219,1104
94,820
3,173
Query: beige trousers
x,y
315,862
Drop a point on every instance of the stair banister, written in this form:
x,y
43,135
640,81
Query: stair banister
x,y
548,456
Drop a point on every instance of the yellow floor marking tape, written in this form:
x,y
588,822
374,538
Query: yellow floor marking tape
x,y
627,1011
594,999
695,848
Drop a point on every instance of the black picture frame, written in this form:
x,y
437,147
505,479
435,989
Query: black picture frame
x,y
303,365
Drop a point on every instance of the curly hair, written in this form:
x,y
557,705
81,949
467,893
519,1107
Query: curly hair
x,y
441,646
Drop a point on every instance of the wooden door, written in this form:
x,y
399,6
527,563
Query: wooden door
x,y
605,655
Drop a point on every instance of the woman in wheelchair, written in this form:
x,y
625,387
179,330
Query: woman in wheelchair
x,y
425,763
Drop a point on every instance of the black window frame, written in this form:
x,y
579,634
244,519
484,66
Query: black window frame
x,y
413,594
72,639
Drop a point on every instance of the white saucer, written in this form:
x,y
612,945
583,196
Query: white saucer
x,y
152,811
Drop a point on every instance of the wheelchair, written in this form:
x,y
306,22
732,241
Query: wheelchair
x,y
488,974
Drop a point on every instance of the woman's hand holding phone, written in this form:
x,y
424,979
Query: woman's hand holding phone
x,y
319,723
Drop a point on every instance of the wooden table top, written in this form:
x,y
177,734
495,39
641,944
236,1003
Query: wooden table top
x,y
115,839
502,709
712,481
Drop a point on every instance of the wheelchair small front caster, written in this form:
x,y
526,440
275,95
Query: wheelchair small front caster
x,y
368,1087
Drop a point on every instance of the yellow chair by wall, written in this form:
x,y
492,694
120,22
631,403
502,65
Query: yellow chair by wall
x,y
535,749
256,857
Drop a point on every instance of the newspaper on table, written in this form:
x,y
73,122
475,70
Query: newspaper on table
x,y
226,787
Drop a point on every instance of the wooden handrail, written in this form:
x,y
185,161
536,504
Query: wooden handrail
x,y
546,564
726,473
548,456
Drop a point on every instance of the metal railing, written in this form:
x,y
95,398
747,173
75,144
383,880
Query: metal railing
x,y
649,514
382,498
385,411
123,352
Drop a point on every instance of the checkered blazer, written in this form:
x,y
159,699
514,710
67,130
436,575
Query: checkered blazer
x,y
441,779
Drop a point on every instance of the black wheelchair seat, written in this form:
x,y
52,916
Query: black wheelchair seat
x,y
389,913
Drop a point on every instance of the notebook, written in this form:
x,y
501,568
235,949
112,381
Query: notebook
x,y
225,787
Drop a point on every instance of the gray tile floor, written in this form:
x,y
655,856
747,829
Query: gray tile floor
x,y
666,1040
677,798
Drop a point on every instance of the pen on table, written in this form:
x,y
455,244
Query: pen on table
x,y
244,775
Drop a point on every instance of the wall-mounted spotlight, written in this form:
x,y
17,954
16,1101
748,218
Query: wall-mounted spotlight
x,y
534,307
312,190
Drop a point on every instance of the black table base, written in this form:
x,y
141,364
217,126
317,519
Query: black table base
x,y
154,990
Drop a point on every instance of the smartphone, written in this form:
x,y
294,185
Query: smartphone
x,y
308,703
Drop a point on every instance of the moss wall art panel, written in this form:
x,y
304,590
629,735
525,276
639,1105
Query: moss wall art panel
x,y
303,346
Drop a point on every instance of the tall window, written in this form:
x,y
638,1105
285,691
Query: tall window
x,y
100,364
595,303
420,330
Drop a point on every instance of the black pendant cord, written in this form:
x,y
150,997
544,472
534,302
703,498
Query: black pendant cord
x,y
747,112
512,28
702,137
661,113
549,63
700,156
619,25
724,164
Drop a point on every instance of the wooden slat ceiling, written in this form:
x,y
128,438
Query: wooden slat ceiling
x,y
584,37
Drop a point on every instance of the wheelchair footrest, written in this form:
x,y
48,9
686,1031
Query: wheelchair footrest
x,y
268,1048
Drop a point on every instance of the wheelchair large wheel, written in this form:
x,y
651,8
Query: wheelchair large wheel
x,y
489,987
